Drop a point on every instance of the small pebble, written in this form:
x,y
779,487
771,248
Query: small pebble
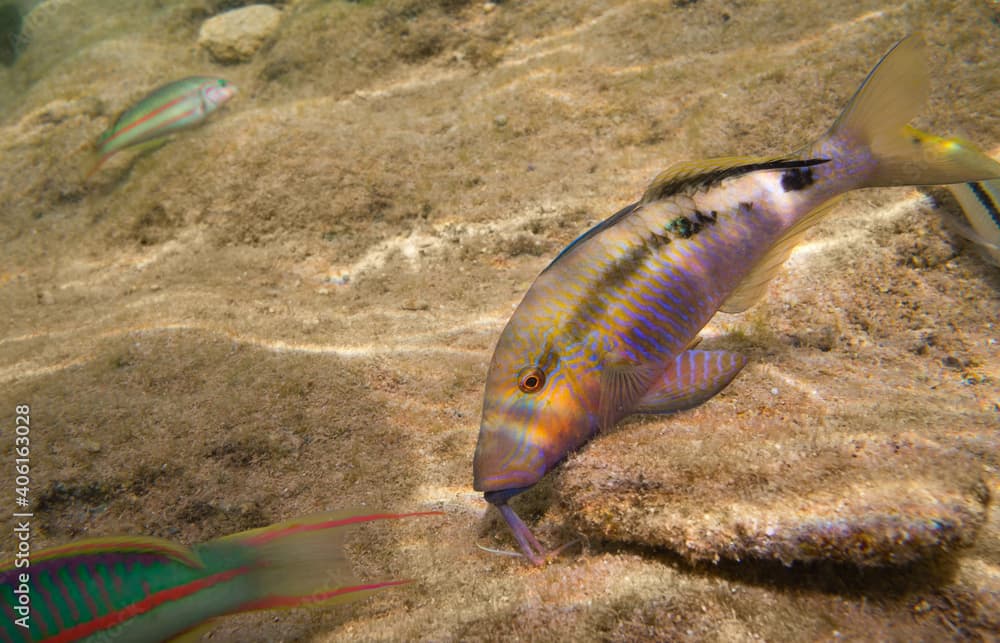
x,y
90,446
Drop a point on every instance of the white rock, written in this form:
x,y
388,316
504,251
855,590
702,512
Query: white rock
x,y
235,36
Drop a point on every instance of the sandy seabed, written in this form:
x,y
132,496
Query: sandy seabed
x,y
292,308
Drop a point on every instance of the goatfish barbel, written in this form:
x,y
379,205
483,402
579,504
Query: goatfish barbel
x,y
608,328
176,106
150,589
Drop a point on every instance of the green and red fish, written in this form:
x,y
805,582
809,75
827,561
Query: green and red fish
x,y
175,106
150,589
608,328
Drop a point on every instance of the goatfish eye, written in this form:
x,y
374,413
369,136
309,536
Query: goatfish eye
x,y
531,379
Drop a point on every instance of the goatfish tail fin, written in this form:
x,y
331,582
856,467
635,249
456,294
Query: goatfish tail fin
x,y
874,126
301,562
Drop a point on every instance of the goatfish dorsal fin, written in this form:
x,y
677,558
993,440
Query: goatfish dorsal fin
x,y
691,176
123,546
754,285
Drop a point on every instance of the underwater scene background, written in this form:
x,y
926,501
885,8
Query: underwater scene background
x,y
291,309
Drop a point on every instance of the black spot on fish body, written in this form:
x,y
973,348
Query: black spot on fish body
x,y
619,271
746,205
657,240
683,227
706,219
796,178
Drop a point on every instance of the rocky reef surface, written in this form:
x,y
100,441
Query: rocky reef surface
x,y
292,307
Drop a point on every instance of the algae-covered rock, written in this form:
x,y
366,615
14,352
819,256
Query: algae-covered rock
x,y
859,502
235,36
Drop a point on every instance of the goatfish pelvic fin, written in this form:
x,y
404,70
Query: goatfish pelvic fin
x,y
692,379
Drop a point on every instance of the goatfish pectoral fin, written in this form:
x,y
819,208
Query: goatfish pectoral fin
x,y
693,378
623,383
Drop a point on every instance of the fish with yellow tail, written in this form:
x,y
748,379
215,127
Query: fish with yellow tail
x,y
608,328
979,200
149,589
173,107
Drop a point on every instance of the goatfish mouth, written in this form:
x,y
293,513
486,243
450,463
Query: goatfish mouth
x,y
609,328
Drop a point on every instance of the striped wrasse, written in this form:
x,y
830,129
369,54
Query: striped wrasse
x,y
175,106
150,589
980,202
608,328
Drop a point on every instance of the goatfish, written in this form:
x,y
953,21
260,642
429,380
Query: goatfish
x,y
176,106
608,328
150,589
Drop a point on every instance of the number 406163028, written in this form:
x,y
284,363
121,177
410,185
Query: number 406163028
x,y
22,452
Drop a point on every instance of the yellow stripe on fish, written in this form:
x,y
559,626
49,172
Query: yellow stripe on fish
x,y
606,329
